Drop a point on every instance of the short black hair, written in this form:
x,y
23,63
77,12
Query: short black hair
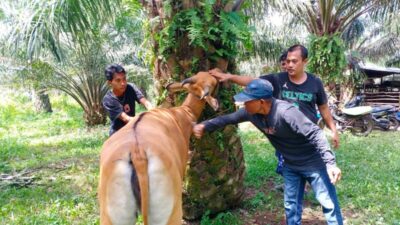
x,y
283,56
112,69
304,51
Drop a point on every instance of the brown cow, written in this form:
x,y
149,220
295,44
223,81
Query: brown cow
x,y
151,152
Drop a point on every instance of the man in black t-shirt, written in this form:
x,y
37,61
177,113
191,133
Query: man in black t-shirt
x,y
302,89
119,102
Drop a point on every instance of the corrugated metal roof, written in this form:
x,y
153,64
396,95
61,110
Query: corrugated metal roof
x,y
377,71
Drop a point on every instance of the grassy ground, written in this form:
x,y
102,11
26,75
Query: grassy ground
x,y
54,161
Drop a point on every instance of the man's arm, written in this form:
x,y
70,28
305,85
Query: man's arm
x,y
221,121
322,102
240,80
327,116
140,97
114,109
124,117
146,103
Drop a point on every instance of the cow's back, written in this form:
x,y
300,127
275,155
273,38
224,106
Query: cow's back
x,y
158,134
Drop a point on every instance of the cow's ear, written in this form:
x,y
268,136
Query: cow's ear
x,y
174,87
212,102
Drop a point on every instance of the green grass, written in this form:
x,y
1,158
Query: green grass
x,y
62,156
369,191
371,181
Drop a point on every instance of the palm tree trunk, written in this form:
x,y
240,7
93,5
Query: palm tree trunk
x,y
94,115
41,101
215,171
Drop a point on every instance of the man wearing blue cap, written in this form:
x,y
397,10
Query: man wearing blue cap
x,y
305,149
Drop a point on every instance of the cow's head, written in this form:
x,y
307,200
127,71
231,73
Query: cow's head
x,y
201,85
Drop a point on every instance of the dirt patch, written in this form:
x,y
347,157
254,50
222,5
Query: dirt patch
x,y
273,213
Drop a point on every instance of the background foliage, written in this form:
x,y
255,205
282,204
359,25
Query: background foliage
x,y
327,58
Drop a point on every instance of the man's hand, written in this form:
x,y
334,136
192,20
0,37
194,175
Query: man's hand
x,y
148,105
335,174
335,140
219,75
198,130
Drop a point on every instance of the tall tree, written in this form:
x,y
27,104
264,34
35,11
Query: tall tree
x,y
191,36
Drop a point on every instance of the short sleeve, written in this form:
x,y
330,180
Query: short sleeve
x,y
321,95
137,91
274,80
268,77
113,107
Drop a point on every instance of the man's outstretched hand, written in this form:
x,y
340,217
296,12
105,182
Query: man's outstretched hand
x,y
198,130
217,73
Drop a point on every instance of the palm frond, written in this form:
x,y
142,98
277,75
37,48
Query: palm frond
x,y
394,61
383,47
49,24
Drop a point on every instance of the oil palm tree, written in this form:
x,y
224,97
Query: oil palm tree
x,y
327,17
64,33
190,36
180,47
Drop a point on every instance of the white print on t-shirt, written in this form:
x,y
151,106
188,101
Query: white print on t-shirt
x,y
127,108
285,85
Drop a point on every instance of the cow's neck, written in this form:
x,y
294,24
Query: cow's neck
x,y
188,113
195,105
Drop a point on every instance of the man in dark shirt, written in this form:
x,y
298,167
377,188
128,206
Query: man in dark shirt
x,y
119,102
302,89
282,61
306,152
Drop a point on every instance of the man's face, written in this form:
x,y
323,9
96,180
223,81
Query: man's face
x,y
283,66
295,64
118,83
253,106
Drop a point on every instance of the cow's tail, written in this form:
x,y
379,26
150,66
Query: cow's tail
x,y
140,162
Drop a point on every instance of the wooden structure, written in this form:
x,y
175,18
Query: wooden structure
x,y
382,86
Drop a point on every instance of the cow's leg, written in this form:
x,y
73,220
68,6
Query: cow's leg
x,y
162,200
121,206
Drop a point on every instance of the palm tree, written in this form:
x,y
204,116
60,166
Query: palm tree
x,y
381,43
192,36
271,37
327,17
76,34
187,36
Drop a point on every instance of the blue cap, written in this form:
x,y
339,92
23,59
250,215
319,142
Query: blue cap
x,y
256,89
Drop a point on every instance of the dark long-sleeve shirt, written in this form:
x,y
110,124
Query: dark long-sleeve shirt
x,y
302,143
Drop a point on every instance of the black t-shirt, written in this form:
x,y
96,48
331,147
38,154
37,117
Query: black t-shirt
x,y
304,96
116,105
